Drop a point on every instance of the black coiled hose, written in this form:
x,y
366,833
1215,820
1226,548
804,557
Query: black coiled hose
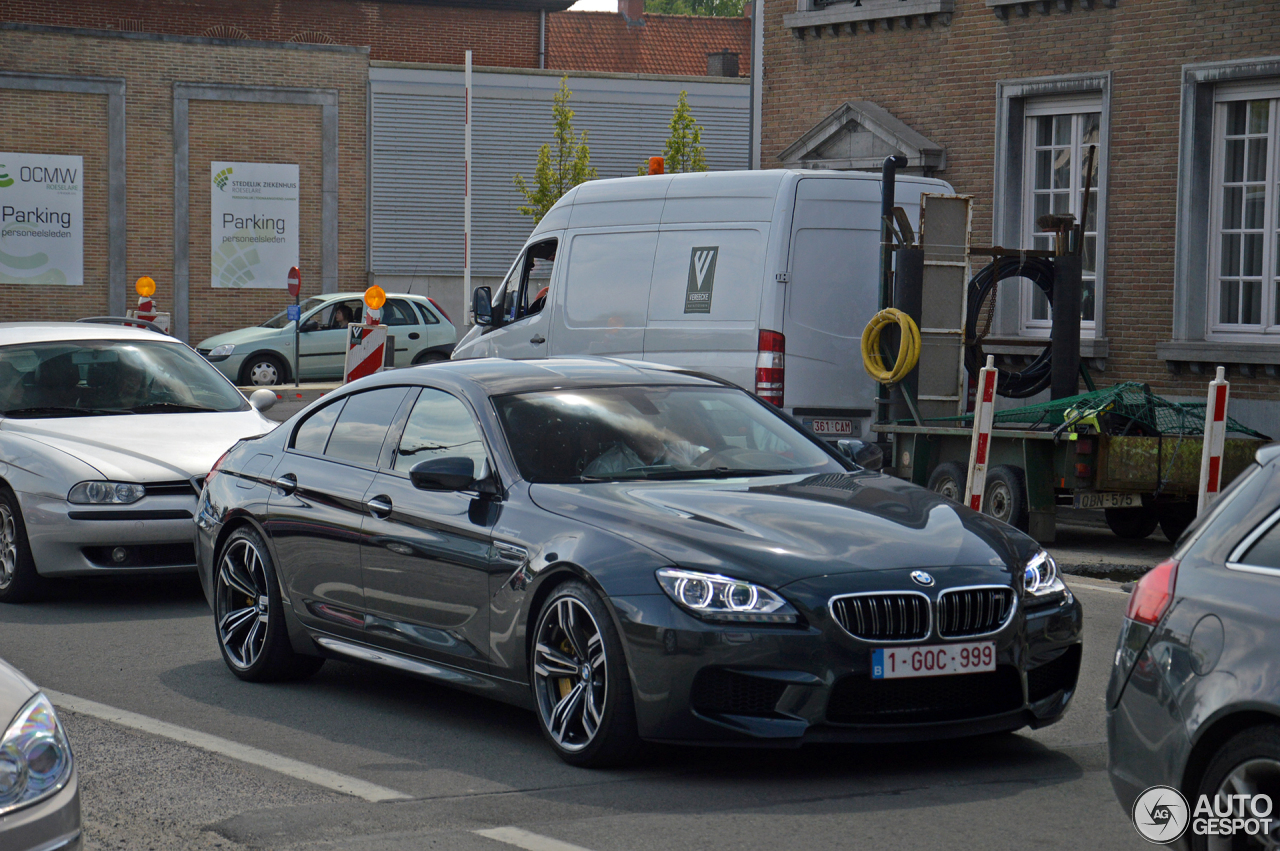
x,y
1037,375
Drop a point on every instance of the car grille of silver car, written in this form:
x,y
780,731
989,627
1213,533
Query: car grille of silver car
x,y
900,616
966,612
184,487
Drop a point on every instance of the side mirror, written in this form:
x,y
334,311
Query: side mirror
x,y
309,325
262,400
866,455
482,306
443,474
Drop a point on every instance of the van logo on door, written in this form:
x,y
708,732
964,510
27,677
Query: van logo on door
x,y
702,277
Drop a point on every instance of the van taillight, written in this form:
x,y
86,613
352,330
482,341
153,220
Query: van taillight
x,y
1153,594
770,367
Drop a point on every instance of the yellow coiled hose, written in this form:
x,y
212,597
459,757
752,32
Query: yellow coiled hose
x,y
908,348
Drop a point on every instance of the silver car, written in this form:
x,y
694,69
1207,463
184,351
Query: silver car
x,y
39,790
106,434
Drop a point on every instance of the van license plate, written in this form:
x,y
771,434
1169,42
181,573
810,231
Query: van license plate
x,y
1108,500
832,428
891,663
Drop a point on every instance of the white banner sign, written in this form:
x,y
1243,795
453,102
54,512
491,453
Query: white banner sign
x,y
254,221
41,219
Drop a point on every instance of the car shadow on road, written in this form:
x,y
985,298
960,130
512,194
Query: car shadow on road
x,y
112,599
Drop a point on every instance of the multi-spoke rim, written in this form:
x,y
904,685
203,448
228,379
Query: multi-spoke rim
x,y
243,603
8,546
570,673
1251,777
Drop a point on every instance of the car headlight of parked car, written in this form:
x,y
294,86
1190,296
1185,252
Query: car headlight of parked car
x,y
719,598
1040,577
106,493
222,351
35,757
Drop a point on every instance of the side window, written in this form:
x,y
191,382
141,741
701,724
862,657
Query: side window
x,y
313,434
1265,551
428,318
362,426
538,268
340,314
439,426
397,312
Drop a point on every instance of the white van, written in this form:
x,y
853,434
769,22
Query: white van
x,y
764,278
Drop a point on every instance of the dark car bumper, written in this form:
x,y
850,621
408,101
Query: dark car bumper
x,y
785,686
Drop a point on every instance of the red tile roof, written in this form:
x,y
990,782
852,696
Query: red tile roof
x,y
664,44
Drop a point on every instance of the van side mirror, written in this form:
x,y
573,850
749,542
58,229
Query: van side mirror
x,y
443,474
866,455
482,306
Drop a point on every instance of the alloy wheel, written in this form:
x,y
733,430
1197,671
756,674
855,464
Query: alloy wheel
x,y
570,673
1251,777
264,374
8,546
243,603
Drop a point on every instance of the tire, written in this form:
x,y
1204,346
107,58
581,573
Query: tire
x,y
1005,496
1247,762
263,371
19,581
254,642
949,479
1175,517
1132,523
429,357
589,719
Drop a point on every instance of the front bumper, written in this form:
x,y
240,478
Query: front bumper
x,y
157,533
784,686
50,825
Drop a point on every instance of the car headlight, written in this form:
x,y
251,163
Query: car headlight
x,y
719,598
106,493
35,757
1040,577
222,351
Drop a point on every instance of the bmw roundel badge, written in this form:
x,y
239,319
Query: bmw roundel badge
x,y
921,578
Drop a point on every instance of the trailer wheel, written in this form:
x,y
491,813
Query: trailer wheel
x,y
948,479
1133,523
1005,498
1175,517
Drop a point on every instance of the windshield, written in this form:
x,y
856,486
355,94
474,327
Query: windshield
x,y
282,319
599,434
96,377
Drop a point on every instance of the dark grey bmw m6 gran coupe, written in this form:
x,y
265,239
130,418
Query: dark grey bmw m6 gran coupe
x,y
634,553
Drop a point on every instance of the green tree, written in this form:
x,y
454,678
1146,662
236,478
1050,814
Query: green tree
x,y
560,170
683,151
718,8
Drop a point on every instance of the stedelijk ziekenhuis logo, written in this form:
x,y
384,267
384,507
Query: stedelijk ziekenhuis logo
x,y
5,179
220,179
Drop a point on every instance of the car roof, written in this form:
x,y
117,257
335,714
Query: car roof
x,y
12,333
497,376
326,297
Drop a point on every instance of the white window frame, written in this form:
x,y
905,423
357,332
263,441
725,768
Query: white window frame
x,y
1269,328
1075,106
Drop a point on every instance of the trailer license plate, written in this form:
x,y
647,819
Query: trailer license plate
x,y
891,663
823,428
1108,500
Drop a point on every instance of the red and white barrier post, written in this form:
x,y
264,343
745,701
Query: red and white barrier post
x,y
1215,439
466,192
980,450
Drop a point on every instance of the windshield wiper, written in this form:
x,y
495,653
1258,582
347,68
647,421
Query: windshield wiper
x,y
666,473
64,411
173,407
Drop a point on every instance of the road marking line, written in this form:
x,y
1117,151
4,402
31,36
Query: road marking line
x,y
524,839
216,744
1077,583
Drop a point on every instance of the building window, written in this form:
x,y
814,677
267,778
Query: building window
x,y
1242,242
1059,137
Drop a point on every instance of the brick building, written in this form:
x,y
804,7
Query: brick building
x,y
1003,99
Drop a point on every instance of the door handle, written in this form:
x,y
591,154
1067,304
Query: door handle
x,y
288,484
379,506
413,335
537,339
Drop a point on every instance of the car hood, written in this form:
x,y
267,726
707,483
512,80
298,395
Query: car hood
x,y
145,447
241,337
781,529
15,691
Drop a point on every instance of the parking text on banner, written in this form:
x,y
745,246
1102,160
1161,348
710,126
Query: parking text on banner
x,y
253,221
41,219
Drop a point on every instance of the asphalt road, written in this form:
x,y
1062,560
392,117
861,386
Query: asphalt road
x,y
467,765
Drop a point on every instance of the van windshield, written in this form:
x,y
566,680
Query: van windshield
x,y
653,432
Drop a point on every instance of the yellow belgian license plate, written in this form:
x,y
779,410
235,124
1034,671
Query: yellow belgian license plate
x,y
891,663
